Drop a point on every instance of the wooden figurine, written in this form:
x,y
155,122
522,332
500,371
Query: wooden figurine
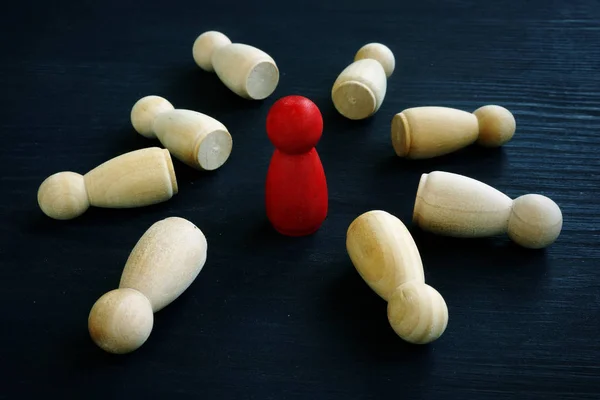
x,y
296,187
135,179
193,138
162,265
245,70
359,90
427,132
455,205
388,260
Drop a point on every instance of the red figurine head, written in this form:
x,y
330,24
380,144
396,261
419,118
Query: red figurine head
x,y
294,124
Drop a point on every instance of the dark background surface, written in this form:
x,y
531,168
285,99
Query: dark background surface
x,y
271,317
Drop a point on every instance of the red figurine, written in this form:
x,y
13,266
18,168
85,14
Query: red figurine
x,y
296,187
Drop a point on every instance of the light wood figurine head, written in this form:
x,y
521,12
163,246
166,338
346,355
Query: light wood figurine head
x,y
121,321
497,125
63,196
535,221
145,111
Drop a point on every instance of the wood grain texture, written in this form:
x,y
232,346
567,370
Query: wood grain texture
x,y
289,318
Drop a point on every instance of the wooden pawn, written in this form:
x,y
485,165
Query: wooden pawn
x,y
195,139
459,206
246,70
162,265
387,258
135,179
360,88
427,132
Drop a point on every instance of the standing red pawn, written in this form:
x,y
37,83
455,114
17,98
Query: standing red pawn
x,y
296,187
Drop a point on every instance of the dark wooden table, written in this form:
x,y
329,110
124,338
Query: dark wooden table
x,y
271,317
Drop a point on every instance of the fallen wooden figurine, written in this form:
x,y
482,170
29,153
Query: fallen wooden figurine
x,y
455,205
162,265
247,71
360,88
387,258
195,139
427,132
135,179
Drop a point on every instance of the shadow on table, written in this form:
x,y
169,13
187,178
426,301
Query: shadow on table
x,y
496,262
263,238
357,317
194,89
467,161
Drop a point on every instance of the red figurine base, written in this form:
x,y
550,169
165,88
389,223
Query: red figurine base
x,y
296,186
